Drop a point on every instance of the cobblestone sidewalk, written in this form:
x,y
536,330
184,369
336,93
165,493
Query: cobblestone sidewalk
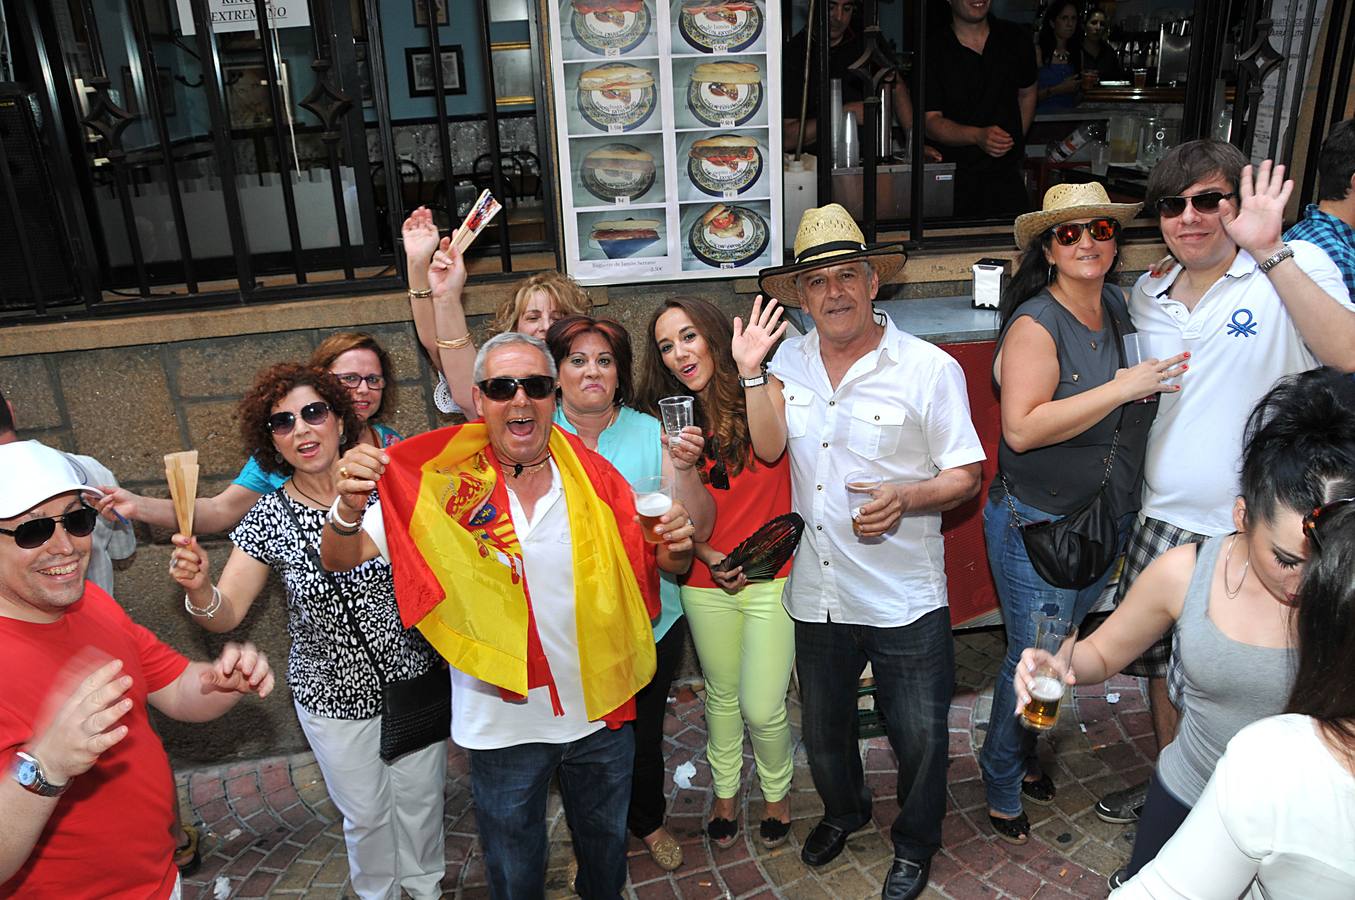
x,y
272,831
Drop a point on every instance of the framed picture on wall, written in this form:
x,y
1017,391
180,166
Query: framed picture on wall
x,y
421,12
419,65
512,64
247,94
507,11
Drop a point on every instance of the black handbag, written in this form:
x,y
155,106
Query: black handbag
x,y
415,712
1077,549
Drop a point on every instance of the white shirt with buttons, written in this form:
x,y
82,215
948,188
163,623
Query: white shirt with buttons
x,y
901,410
1241,341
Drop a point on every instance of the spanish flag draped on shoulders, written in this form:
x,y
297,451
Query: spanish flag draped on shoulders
x,y
460,578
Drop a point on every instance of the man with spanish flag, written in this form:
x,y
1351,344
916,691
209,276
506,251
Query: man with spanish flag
x,y
517,553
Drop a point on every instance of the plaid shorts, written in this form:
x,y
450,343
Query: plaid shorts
x,y
1149,540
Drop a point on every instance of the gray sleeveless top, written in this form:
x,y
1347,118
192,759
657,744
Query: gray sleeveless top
x,y
1227,685
1061,477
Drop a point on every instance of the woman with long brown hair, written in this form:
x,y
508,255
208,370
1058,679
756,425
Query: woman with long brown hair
x,y
743,635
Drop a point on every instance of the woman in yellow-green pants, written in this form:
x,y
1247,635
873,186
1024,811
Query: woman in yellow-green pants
x,y
744,638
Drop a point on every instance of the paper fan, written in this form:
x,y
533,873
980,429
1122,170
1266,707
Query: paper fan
x,y
766,550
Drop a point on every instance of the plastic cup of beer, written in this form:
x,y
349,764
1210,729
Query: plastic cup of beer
x,y
677,415
653,498
862,486
1055,638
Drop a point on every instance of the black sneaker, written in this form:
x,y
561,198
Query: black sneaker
x,y
1122,807
1118,878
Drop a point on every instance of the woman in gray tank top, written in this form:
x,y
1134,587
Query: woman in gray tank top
x,y
1229,599
1066,401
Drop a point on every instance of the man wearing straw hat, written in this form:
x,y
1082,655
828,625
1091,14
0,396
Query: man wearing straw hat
x,y
85,807
857,395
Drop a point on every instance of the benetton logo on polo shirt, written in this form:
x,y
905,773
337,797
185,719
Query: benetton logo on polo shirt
x,y
1240,326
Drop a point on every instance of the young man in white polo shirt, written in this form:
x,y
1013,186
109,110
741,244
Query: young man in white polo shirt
x,y
1249,309
869,583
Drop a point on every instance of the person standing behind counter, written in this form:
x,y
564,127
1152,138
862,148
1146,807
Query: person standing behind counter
x,y
981,82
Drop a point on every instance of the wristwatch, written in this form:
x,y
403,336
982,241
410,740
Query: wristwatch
x,y
755,381
1279,256
28,772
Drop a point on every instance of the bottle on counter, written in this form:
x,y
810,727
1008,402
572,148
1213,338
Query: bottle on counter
x,y
1058,151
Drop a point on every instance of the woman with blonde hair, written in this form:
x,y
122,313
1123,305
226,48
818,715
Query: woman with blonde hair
x,y
437,276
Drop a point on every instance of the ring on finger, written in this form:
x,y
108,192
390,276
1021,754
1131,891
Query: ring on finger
x,y
343,471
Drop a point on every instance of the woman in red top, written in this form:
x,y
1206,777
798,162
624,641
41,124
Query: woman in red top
x,y
743,635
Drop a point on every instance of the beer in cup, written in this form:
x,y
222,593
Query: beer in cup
x,y
861,489
653,498
1055,637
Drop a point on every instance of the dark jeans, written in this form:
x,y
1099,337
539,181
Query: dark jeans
x,y
914,669
510,785
647,798
1161,817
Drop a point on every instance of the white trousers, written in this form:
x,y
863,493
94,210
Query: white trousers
x,y
392,814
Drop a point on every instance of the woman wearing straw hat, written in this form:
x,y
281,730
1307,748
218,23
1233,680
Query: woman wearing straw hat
x,y
1068,406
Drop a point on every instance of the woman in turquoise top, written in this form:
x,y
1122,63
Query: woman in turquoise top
x,y
360,363
1058,53
594,359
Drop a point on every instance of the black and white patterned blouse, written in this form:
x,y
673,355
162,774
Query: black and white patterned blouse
x,y
328,671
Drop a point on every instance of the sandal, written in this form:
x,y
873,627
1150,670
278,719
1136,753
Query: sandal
x,y
773,832
665,851
1013,831
723,833
188,856
1040,791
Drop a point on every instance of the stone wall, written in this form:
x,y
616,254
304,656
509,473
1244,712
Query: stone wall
x,y
128,406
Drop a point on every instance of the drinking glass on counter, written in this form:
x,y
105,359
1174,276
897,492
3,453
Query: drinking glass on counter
x,y
1054,640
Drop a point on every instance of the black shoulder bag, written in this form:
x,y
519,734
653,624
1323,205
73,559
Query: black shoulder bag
x,y
415,712
1074,551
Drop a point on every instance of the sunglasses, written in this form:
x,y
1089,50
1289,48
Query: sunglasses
x,y
281,424
35,532
351,380
537,387
718,476
1311,521
1208,202
1069,233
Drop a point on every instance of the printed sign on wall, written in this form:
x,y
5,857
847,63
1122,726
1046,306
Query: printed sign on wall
x,y
668,137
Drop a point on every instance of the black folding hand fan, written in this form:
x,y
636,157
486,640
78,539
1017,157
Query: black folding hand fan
x,y
766,550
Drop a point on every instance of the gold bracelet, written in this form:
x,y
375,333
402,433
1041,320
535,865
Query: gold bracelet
x,y
420,293
457,344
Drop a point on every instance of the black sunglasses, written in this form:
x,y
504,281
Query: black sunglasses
x,y
538,387
1311,521
351,380
36,532
282,423
1069,233
1208,202
718,476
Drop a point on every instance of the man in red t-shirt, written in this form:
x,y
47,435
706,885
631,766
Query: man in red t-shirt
x,y
85,806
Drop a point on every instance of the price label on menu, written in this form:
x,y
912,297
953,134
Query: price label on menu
x,y
719,48
727,265
731,195
727,123
613,52
622,201
616,129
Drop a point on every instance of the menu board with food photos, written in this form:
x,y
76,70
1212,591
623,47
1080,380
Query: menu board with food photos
x,y
668,136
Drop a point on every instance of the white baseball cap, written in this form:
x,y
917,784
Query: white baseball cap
x,y
31,472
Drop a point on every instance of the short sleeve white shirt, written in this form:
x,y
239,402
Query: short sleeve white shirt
x,y
1241,340
481,718
902,410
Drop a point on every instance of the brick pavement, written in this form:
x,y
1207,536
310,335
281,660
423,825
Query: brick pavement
x,y
272,831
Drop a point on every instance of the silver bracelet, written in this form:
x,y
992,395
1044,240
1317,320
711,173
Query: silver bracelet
x,y
211,608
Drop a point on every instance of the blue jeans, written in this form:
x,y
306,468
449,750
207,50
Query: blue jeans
x,y
510,785
1009,749
914,669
